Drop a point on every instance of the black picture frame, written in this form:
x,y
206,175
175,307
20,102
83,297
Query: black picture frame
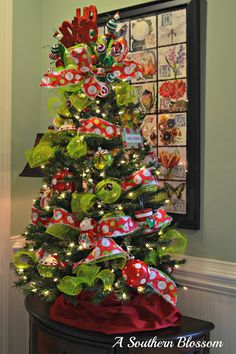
x,y
194,12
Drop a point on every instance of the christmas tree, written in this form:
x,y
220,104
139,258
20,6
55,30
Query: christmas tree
x,y
99,223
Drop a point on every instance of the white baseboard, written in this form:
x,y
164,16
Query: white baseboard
x,y
208,274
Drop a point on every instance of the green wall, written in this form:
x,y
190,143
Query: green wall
x,y
25,104
217,237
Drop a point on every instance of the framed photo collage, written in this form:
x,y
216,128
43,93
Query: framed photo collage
x,y
164,37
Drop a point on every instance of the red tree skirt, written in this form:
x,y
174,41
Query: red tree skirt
x,y
139,314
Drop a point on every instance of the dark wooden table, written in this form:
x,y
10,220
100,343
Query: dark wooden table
x,y
49,337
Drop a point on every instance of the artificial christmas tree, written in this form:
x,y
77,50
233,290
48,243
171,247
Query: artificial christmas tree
x,y
99,235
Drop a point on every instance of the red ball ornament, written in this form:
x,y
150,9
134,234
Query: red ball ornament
x,y
136,273
61,181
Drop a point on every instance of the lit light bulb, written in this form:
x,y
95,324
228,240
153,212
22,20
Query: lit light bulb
x,y
46,293
55,280
42,166
176,266
185,288
72,244
167,201
68,253
34,290
140,289
124,296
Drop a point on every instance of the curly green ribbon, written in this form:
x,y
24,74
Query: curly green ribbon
x,y
20,259
87,275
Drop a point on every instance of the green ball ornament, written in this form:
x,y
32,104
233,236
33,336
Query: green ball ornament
x,y
45,271
108,191
102,159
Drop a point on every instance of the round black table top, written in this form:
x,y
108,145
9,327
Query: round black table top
x,y
188,327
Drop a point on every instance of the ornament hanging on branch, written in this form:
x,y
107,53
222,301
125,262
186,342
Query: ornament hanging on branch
x,y
108,191
61,181
102,159
135,273
47,263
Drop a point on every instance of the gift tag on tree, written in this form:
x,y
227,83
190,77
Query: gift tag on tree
x,y
132,138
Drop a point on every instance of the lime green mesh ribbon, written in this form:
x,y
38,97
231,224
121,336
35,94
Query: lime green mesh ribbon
x,y
125,94
58,104
40,154
81,203
21,259
88,276
77,147
59,230
178,243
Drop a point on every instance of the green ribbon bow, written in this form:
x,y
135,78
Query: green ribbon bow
x,y
86,275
